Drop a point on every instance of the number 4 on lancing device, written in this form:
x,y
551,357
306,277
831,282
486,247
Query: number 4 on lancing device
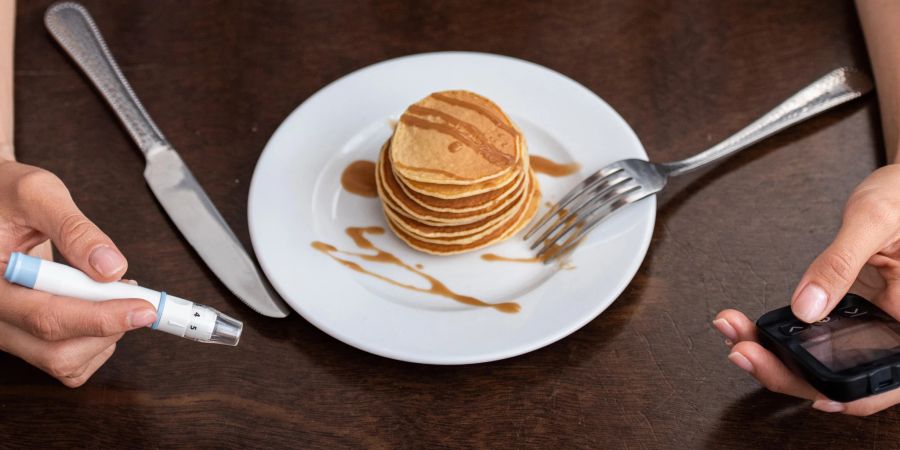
x,y
852,353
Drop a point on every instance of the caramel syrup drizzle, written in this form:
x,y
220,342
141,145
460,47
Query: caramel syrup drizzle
x,y
552,168
551,252
477,108
381,256
460,130
495,257
359,178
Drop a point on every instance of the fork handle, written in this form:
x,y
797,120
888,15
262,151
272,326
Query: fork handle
x,y
835,88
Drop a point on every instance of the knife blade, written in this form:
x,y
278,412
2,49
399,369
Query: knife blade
x,y
169,178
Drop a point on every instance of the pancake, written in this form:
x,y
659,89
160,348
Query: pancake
x,y
470,203
429,227
501,220
394,193
454,191
455,175
522,218
430,231
451,191
455,138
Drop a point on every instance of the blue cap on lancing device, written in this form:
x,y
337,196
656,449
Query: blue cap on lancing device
x,y
22,269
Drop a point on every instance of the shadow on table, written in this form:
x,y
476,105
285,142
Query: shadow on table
x,y
758,417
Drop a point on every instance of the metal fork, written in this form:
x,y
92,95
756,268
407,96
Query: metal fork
x,y
627,181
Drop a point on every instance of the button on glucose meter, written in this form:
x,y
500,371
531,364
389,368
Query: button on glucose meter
x,y
826,319
852,311
793,329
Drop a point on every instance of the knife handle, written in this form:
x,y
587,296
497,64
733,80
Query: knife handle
x,y
75,30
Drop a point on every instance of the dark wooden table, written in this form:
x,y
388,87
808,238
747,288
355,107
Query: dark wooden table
x,y
219,77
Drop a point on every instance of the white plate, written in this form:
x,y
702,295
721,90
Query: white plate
x,y
296,198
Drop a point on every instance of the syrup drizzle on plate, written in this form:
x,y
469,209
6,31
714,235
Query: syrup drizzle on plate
x,y
377,255
552,168
359,178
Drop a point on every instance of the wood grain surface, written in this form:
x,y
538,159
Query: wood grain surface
x,y
219,76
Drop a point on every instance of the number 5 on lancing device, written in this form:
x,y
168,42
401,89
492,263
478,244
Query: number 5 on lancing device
x,y
852,353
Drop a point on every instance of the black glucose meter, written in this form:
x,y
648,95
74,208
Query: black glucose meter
x,y
852,353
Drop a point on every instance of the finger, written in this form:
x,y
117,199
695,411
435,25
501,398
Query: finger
x,y
770,371
869,283
90,368
58,359
735,326
833,272
49,208
52,318
889,300
862,407
44,250
887,267
78,354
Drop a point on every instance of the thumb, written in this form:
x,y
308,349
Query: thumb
x,y
80,241
834,271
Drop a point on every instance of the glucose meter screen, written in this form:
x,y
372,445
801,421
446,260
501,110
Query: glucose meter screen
x,y
847,342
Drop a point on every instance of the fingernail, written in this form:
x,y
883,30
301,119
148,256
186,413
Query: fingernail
x,y
830,406
741,361
106,261
810,304
726,329
142,318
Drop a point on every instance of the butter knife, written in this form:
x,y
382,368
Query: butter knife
x,y
169,178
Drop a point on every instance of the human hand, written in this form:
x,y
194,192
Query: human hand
x,y
865,259
67,338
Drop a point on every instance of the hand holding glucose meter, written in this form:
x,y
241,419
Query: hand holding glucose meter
x,y
852,353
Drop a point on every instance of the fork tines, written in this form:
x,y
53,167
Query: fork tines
x,y
580,211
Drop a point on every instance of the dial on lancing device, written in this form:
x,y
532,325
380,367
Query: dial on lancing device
x,y
852,353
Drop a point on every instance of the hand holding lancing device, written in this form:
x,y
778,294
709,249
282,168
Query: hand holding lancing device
x,y
68,338
865,259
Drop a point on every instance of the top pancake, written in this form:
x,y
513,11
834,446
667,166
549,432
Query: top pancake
x,y
454,191
455,138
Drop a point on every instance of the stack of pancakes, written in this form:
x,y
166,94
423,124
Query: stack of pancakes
x,y
455,175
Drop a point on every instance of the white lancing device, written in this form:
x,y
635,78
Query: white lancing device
x,y
175,315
